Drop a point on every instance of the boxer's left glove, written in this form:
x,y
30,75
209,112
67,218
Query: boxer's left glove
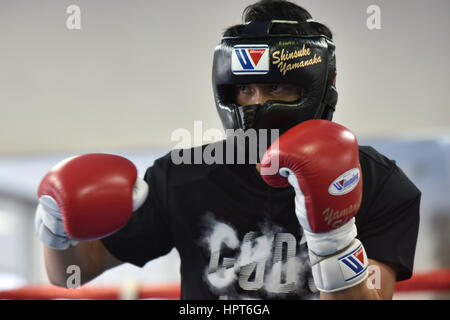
x,y
320,160
87,197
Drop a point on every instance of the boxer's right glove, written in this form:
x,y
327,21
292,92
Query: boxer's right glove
x,y
87,197
320,160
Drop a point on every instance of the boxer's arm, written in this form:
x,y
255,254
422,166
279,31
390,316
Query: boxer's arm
x,y
90,256
368,290
311,155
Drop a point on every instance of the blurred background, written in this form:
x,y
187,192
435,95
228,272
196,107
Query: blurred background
x,y
135,71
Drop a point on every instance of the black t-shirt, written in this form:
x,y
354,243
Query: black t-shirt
x,y
238,238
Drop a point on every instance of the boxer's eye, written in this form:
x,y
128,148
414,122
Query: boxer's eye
x,y
275,88
245,89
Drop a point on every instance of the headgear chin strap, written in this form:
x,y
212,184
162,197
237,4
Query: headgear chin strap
x,y
263,53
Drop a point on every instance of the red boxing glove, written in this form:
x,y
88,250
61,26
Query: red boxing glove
x,y
93,194
320,160
323,155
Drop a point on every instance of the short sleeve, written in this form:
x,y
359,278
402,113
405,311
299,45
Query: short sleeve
x,y
146,236
389,233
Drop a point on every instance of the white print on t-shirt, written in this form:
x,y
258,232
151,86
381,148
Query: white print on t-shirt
x,y
265,260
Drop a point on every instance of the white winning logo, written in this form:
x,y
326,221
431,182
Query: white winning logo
x,y
250,59
345,183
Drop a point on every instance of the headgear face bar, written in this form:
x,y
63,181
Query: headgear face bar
x,y
262,55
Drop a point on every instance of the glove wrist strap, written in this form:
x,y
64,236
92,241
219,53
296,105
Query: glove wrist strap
x,y
340,271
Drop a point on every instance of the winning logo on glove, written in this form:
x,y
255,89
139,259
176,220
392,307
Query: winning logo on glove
x,y
354,263
345,183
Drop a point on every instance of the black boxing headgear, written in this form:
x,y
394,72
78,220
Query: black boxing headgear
x,y
260,54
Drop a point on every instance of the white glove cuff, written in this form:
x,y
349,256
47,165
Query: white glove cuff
x,y
49,226
140,193
324,244
51,215
340,271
